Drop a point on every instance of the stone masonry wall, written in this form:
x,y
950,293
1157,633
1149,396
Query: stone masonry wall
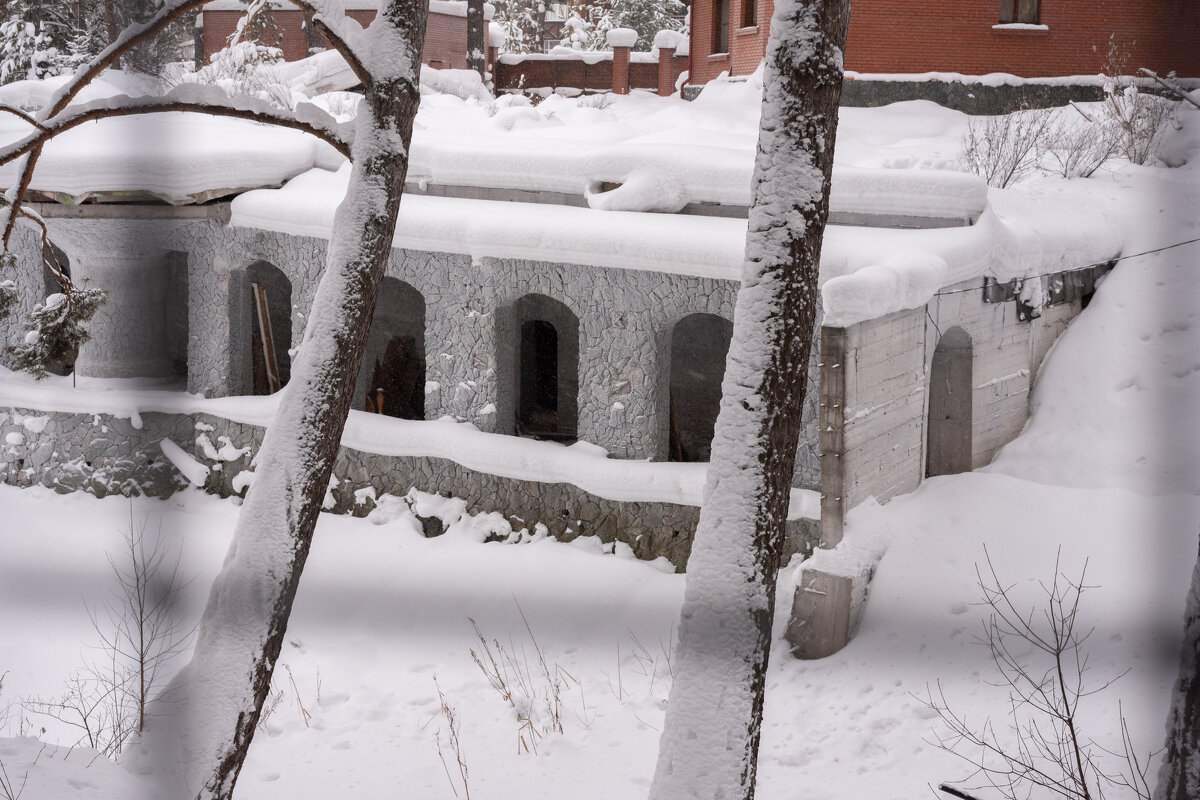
x,y
102,454
626,318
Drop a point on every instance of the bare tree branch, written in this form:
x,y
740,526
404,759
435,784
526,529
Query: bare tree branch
x,y
151,105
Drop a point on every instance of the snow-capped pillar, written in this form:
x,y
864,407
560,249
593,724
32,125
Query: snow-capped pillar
x,y
670,45
621,40
127,259
666,66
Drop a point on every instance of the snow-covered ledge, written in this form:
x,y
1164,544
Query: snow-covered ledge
x,y
831,594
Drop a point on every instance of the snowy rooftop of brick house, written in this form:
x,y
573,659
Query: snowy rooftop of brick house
x,y
600,166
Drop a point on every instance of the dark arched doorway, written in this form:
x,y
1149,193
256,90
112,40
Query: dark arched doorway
x,y
948,435
263,308
547,369
699,346
392,378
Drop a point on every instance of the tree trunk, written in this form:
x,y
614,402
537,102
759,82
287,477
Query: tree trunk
x,y
203,724
476,38
1179,776
709,745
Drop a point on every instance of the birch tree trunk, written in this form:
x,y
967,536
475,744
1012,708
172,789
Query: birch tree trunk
x,y
709,745
1179,776
202,727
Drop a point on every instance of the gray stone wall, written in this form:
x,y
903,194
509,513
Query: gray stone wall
x,y
102,455
626,318
970,97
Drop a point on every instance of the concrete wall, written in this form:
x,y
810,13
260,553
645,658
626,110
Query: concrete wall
x,y
875,387
626,321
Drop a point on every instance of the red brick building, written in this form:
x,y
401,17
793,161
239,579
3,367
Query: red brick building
x,y
1029,38
445,31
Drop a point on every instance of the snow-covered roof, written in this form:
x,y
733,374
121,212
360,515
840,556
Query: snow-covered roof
x,y
623,156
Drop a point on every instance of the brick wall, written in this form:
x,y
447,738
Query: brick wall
x,y
957,36
445,35
592,73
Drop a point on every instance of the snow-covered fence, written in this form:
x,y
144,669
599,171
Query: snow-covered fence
x,y
570,71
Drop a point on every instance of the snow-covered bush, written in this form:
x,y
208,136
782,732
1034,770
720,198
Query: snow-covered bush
x,y
1079,147
8,284
1003,149
55,331
1140,119
1041,659
26,52
245,68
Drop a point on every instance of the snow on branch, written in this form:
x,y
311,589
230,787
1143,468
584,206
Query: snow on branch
x,y
333,26
192,98
330,20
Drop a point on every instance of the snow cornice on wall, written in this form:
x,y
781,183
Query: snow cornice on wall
x,y
865,272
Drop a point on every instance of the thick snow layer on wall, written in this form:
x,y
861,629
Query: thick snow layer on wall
x,y
866,272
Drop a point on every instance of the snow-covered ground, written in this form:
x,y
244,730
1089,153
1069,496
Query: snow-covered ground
x,y
1106,471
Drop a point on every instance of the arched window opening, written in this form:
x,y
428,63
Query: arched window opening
x,y
392,379
267,305
547,369
699,346
948,435
51,286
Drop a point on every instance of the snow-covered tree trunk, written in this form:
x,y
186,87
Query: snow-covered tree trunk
x,y
202,727
1179,776
476,38
709,745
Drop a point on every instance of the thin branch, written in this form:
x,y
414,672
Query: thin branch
x,y
1174,88
16,112
130,38
49,260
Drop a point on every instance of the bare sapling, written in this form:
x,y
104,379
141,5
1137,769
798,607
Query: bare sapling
x,y
535,691
1140,118
1041,658
1007,148
454,742
1078,147
11,789
140,632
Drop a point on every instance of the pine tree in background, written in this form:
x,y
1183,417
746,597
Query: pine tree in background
x,y
27,48
519,21
647,17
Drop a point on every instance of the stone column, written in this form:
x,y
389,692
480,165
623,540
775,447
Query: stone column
x,y
127,259
621,40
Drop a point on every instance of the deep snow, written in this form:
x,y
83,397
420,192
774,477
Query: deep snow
x,y
1106,470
